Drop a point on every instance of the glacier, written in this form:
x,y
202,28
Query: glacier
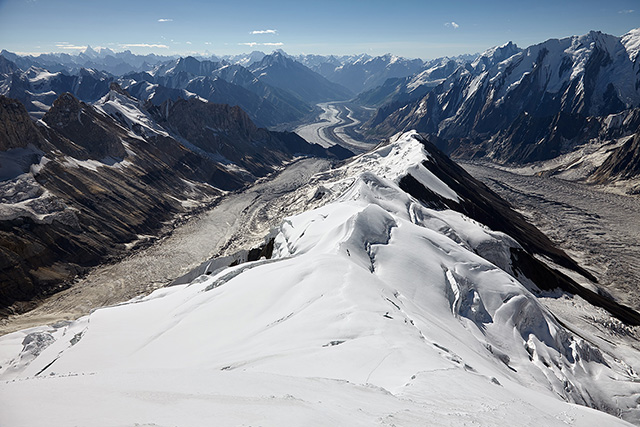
x,y
373,310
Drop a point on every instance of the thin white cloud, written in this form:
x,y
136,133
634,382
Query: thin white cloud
x,y
263,32
189,43
165,20
159,46
69,46
452,25
627,11
254,44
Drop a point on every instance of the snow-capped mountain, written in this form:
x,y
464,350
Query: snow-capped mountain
x,y
362,72
37,88
325,65
283,100
182,78
222,83
82,184
7,67
507,92
285,73
372,309
244,59
103,59
401,90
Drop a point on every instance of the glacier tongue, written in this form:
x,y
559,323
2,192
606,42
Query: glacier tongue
x,y
373,310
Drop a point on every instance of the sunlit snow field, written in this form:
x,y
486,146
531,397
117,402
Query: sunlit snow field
x,y
374,310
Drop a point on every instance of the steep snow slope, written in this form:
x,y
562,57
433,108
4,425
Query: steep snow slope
x,y
373,310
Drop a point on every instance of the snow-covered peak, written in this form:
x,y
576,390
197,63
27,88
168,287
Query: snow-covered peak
x,y
246,60
494,55
39,75
282,52
128,111
434,75
631,42
90,52
105,51
561,63
404,155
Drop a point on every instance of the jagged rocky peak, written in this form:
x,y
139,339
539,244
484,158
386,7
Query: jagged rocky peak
x,y
16,128
512,109
81,124
195,67
218,117
114,87
90,52
7,66
64,111
494,55
623,163
277,58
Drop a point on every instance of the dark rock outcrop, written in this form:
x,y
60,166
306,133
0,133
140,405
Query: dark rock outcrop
x,y
228,133
623,163
16,128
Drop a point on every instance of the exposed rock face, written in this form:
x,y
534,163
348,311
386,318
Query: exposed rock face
x,y
222,83
623,163
38,88
7,66
16,128
229,133
401,90
89,196
79,124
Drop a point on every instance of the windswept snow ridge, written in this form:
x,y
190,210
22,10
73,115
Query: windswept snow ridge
x,y
373,310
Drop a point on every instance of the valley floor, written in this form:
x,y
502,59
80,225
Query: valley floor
x,y
335,126
597,228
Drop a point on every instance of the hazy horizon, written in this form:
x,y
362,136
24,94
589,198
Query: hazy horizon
x,y
405,28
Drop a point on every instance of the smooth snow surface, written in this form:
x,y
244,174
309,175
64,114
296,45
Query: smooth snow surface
x,y
373,311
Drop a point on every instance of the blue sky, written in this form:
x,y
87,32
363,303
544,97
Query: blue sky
x,y
424,29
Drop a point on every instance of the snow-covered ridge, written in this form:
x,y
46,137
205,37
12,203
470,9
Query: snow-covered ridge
x,y
404,155
631,42
373,310
564,61
128,111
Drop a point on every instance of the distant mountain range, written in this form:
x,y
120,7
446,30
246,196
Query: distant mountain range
x,y
274,90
